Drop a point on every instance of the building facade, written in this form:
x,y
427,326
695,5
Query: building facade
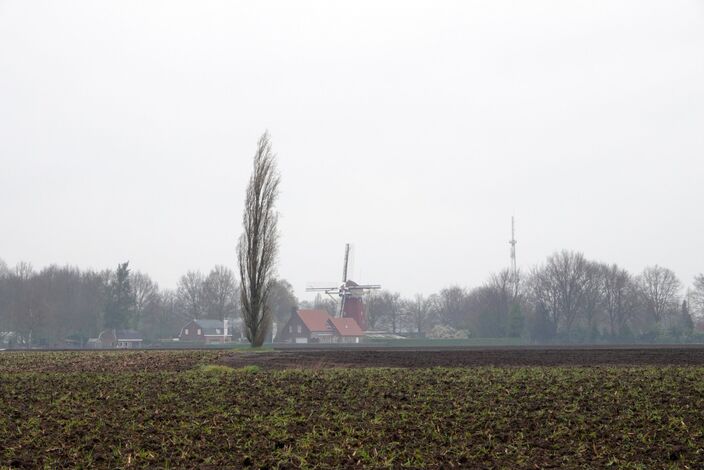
x,y
206,331
118,339
317,326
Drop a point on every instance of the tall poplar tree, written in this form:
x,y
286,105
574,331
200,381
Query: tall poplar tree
x,y
258,244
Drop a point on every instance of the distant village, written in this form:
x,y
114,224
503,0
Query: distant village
x,y
304,326
63,307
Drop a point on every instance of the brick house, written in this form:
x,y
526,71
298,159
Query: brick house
x,y
120,339
206,331
347,330
317,326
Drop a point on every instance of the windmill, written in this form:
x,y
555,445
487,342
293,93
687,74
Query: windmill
x,y
350,293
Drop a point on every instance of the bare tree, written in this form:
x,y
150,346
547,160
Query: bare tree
x,y
506,283
373,306
59,287
490,305
619,299
27,307
220,293
24,270
383,309
593,298
394,305
167,318
452,307
144,291
25,304
93,299
190,294
487,311
258,244
560,287
660,287
4,270
419,311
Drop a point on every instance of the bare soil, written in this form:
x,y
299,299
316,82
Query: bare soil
x,y
155,409
299,358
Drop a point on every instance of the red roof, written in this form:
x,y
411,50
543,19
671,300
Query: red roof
x,y
346,327
315,320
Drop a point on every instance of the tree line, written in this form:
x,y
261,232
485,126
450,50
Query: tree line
x,y
47,307
568,298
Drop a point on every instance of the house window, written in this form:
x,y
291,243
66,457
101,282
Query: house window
x,y
185,331
199,331
290,328
217,331
300,329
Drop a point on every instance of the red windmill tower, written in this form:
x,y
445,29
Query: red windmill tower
x,y
351,295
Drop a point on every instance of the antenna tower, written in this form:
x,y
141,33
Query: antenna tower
x,y
514,269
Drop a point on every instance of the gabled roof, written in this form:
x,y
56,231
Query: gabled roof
x,y
346,326
210,327
120,335
316,320
205,323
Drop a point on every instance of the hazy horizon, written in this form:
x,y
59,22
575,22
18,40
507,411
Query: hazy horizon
x,y
413,130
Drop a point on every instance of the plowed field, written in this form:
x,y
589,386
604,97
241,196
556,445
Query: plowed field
x,y
471,357
170,409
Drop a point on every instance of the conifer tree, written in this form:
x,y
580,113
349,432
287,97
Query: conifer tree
x,y
120,304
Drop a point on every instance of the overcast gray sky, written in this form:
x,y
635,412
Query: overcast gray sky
x,y
413,130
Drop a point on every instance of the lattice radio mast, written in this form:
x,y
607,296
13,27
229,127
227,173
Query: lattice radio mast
x,y
514,268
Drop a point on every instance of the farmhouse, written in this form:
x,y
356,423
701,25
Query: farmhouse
x,y
120,339
206,331
317,326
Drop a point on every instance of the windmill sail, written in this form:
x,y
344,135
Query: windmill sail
x,y
349,292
